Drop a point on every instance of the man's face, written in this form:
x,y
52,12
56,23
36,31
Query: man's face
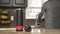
x,y
45,1
49,0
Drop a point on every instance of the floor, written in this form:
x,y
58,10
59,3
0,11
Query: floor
x,y
34,31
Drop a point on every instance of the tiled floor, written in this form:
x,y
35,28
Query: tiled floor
x,y
34,31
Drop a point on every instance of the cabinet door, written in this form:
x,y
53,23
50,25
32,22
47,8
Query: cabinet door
x,y
19,3
5,3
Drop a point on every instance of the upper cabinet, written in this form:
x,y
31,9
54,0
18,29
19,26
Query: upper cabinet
x,y
5,3
19,3
13,3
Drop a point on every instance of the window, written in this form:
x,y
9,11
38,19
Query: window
x,y
34,7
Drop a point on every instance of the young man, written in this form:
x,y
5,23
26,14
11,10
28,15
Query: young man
x,y
52,14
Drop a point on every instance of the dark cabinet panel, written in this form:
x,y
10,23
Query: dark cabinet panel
x,y
19,3
5,3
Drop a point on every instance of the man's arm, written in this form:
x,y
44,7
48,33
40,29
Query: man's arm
x,y
43,10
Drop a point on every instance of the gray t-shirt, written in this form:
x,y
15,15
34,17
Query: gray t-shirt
x,y
52,14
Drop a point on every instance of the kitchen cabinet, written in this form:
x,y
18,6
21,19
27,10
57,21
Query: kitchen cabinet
x,y
13,3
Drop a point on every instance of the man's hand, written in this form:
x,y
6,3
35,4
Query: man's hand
x,y
40,15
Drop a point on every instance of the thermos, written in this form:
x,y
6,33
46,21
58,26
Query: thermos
x,y
19,20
